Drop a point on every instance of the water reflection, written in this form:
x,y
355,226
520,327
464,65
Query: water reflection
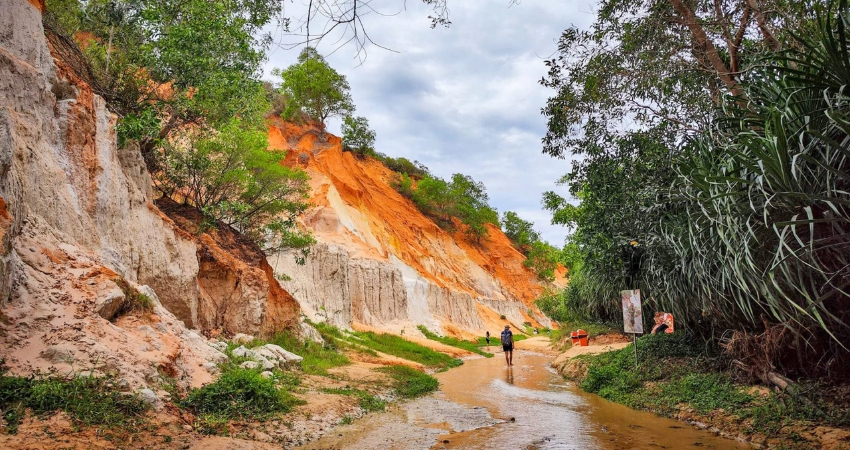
x,y
509,375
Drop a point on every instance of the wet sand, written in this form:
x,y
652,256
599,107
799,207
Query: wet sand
x,y
486,405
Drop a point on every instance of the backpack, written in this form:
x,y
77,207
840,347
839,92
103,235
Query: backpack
x,y
506,337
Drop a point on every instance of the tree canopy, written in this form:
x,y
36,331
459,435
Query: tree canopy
x,y
357,136
314,88
710,176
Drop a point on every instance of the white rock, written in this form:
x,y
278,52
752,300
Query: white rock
x,y
149,396
243,352
243,338
210,367
109,303
311,333
218,345
280,354
249,365
266,374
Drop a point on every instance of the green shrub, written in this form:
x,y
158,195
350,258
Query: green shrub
x,y
87,400
239,394
409,382
133,299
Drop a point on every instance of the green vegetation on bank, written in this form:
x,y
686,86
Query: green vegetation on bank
x,y
87,400
677,371
183,79
454,342
718,189
389,344
318,358
409,382
239,394
462,199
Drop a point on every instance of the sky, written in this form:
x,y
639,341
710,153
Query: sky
x,y
463,99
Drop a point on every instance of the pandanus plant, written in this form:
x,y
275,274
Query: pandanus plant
x,y
761,227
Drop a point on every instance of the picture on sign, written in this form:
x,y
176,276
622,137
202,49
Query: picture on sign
x,y
663,323
632,317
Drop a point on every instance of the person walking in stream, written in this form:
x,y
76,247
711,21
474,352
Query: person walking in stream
x,y
508,345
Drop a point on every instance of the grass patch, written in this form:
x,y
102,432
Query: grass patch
x,y
398,346
368,402
134,301
87,400
238,394
409,382
677,370
454,342
318,358
367,341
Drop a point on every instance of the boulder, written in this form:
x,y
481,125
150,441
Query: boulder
x,y
278,353
243,352
108,304
249,365
241,338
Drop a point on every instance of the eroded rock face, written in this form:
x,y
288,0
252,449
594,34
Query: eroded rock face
x,y
238,290
76,214
383,264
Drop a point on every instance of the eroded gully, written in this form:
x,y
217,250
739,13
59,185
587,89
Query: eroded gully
x,y
486,405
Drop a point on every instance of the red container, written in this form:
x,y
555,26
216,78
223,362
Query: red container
x,y
574,337
581,336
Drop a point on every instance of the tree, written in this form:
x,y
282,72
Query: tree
x,y
520,232
165,64
357,136
542,259
315,88
233,177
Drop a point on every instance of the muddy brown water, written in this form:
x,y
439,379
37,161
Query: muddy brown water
x,y
486,405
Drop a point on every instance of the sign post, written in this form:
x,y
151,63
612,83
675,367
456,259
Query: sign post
x,y
632,315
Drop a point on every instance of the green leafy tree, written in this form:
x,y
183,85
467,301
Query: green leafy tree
x,y
179,61
233,177
315,88
543,259
520,232
357,136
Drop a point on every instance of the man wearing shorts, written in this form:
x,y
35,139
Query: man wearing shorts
x,y
508,345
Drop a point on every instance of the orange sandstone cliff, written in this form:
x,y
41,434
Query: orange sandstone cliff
x,y
79,232
381,263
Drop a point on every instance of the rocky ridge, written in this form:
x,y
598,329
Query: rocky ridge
x,y
381,263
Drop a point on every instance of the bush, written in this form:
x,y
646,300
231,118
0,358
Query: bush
x,y
239,394
410,383
87,400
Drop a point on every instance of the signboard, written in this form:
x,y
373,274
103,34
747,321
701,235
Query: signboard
x,y
632,317
663,318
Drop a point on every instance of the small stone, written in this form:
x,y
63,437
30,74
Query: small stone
x,y
241,338
266,374
249,365
108,305
149,396
187,427
218,345
210,367
243,352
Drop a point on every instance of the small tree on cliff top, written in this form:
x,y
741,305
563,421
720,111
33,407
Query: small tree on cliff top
x,y
357,136
315,88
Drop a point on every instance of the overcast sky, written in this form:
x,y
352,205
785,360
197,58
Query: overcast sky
x,y
465,98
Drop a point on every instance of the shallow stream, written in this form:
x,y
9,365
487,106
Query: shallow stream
x,y
486,405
